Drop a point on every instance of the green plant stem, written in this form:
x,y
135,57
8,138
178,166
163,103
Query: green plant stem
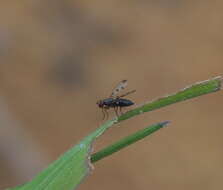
x,y
127,141
197,89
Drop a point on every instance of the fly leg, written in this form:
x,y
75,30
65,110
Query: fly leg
x,y
106,113
102,109
120,110
116,111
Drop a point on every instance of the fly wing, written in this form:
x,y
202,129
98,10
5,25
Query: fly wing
x,y
119,87
130,92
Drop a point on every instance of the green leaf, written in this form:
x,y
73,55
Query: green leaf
x,y
72,167
127,141
195,90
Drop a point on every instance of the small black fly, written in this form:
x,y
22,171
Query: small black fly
x,y
114,101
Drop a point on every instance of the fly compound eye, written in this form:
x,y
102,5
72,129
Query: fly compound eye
x,y
99,103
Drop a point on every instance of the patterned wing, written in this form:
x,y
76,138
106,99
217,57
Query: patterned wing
x,y
119,87
127,93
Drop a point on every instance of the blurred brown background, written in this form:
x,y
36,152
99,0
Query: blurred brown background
x,y
59,57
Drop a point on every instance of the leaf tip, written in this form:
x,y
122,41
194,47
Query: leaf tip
x,y
164,123
221,82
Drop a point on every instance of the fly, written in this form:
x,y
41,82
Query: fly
x,y
114,101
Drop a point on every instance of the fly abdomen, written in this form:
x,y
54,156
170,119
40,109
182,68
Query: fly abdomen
x,y
123,102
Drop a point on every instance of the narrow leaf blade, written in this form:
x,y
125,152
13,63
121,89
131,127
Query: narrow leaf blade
x,y
127,141
70,169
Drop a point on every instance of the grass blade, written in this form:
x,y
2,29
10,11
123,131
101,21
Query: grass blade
x,y
67,172
195,90
127,141
72,167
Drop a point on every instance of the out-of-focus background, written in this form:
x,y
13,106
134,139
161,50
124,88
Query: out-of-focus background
x,y
59,57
